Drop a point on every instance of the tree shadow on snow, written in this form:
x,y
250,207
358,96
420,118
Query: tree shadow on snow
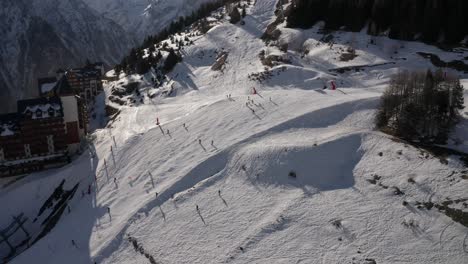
x,y
65,214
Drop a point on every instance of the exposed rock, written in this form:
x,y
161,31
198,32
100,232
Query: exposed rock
x,y
220,61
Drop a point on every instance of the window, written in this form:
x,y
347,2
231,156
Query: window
x,y
28,113
27,150
51,112
38,113
50,144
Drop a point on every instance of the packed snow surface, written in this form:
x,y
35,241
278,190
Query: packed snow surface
x,y
293,174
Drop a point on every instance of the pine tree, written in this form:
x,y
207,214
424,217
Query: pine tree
x,y
171,60
235,15
421,106
458,99
117,69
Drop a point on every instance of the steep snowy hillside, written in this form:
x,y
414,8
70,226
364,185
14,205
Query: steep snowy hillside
x,y
141,18
40,36
287,173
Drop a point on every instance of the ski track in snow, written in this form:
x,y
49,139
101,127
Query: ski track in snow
x,y
249,209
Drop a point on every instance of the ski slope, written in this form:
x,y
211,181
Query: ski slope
x,y
218,187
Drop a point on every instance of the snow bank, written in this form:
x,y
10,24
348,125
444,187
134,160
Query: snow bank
x,y
327,166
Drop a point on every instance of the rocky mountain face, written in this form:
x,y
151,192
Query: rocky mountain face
x,y
141,18
40,36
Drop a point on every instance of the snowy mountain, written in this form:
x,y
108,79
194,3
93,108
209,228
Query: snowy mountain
x,y
287,173
141,18
40,36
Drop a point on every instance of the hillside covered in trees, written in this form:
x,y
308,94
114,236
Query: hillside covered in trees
x,y
137,61
427,20
421,106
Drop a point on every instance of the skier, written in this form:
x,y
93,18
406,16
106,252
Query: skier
x,y
254,90
89,189
212,142
157,121
333,85
199,141
198,209
168,131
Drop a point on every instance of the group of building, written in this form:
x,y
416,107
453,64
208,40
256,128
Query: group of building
x,y
49,129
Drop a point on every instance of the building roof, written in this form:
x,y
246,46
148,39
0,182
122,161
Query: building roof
x,y
39,108
45,85
8,124
87,72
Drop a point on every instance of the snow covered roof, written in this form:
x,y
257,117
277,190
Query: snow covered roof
x,y
8,124
5,130
38,108
47,87
86,72
46,84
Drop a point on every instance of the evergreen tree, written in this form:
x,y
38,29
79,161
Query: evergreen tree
x,y
420,106
171,60
129,64
151,49
431,21
117,69
234,15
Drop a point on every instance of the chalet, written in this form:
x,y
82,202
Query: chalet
x,y
44,131
51,128
33,136
41,127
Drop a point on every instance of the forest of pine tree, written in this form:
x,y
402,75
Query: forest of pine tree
x,y
420,106
431,20
134,61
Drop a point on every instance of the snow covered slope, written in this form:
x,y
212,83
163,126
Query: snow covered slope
x,y
293,174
